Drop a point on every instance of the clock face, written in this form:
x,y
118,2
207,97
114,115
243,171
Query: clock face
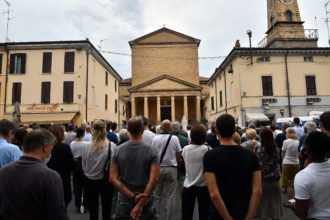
x,y
271,4
287,2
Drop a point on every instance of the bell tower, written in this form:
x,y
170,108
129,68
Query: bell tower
x,y
285,28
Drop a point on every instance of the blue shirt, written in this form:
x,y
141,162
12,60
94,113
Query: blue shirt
x,y
212,140
88,137
9,153
299,131
112,137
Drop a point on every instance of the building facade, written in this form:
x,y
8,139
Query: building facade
x,y
60,82
3,65
165,81
287,76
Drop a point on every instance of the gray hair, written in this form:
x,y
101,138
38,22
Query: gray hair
x,y
176,126
124,135
158,129
286,125
310,126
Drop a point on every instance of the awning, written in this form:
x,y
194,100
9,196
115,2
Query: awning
x,y
256,117
55,118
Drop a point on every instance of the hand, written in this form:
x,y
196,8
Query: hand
x,y
136,211
139,197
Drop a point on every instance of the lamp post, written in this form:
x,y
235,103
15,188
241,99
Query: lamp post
x,y
249,33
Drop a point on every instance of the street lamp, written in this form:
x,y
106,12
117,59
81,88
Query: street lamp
x,y
249,33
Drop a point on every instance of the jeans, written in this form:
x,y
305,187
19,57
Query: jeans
x,y
94,189
79,186
125,205
167,182
188,202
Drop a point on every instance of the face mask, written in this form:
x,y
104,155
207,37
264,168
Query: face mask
x,y
48,158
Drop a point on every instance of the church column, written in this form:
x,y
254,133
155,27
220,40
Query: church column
x,y
198,108
173,108
133,107
185,107
158,110
146,113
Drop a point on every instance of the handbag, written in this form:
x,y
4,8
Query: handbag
x,y
165,149
106,170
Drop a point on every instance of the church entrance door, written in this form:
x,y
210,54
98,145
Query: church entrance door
x,y
166,113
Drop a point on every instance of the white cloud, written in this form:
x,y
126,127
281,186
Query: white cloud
x,y
218,23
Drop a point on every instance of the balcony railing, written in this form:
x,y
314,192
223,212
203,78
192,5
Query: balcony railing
x,y
290,34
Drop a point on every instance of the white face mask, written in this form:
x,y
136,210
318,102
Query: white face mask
x,y
48,158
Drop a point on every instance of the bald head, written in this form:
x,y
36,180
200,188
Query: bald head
x,y
166,127
135,126
88,129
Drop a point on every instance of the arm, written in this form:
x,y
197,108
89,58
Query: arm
x,y
301,208
54,198
256,195
114,173
178,158
283,154
153,180
215,196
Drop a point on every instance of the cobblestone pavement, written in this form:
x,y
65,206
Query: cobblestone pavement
x,y
288,214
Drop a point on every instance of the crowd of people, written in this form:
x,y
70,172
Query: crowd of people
x,y
233,173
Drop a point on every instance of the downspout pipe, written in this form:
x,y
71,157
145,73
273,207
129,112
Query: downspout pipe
x,y
287,82
6,82
86,95
224,74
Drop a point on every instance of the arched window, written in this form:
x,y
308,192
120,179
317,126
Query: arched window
x,y
288,15
272,21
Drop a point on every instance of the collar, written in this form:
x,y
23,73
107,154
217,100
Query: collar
x,y
30,160
3,140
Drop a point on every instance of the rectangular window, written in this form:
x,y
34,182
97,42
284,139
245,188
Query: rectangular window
x,y
106,78
69,62
212,103
308,59
106,102
115,85
116,105
45,92
220,98
267,85
47,62
0,63
264,59
68,92
16,93
310,85
17,63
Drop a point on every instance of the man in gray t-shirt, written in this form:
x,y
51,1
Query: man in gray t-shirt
x,y
137,165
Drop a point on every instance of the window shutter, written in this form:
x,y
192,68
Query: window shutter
x,y
106,78
47,62
116,105
310,85
106,101
267,85
16,93
23,64
12,63
45,92
212,103
220,98
68,92
69,62
0,63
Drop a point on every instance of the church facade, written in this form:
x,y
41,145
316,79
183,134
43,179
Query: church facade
x,y
165,81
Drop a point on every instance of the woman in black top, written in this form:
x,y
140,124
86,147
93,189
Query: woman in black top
x,y
62,161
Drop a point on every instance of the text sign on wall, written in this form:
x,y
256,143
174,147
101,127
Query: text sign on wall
x,y
41,108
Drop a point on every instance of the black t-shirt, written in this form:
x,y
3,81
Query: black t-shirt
x,y
233,167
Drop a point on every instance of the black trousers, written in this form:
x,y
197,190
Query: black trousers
x,y
188,202
94,190
79,186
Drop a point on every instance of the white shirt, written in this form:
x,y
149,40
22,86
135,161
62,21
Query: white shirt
x,y
189,137
88,137
290,146
77,148
193,160
169,159
147,137
93,162
313,183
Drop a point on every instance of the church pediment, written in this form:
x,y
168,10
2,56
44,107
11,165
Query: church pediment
x,y
163,36
165,83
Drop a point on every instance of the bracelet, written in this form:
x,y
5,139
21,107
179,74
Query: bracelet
x,y
133,198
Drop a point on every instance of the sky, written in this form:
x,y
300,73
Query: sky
x,y
217,23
